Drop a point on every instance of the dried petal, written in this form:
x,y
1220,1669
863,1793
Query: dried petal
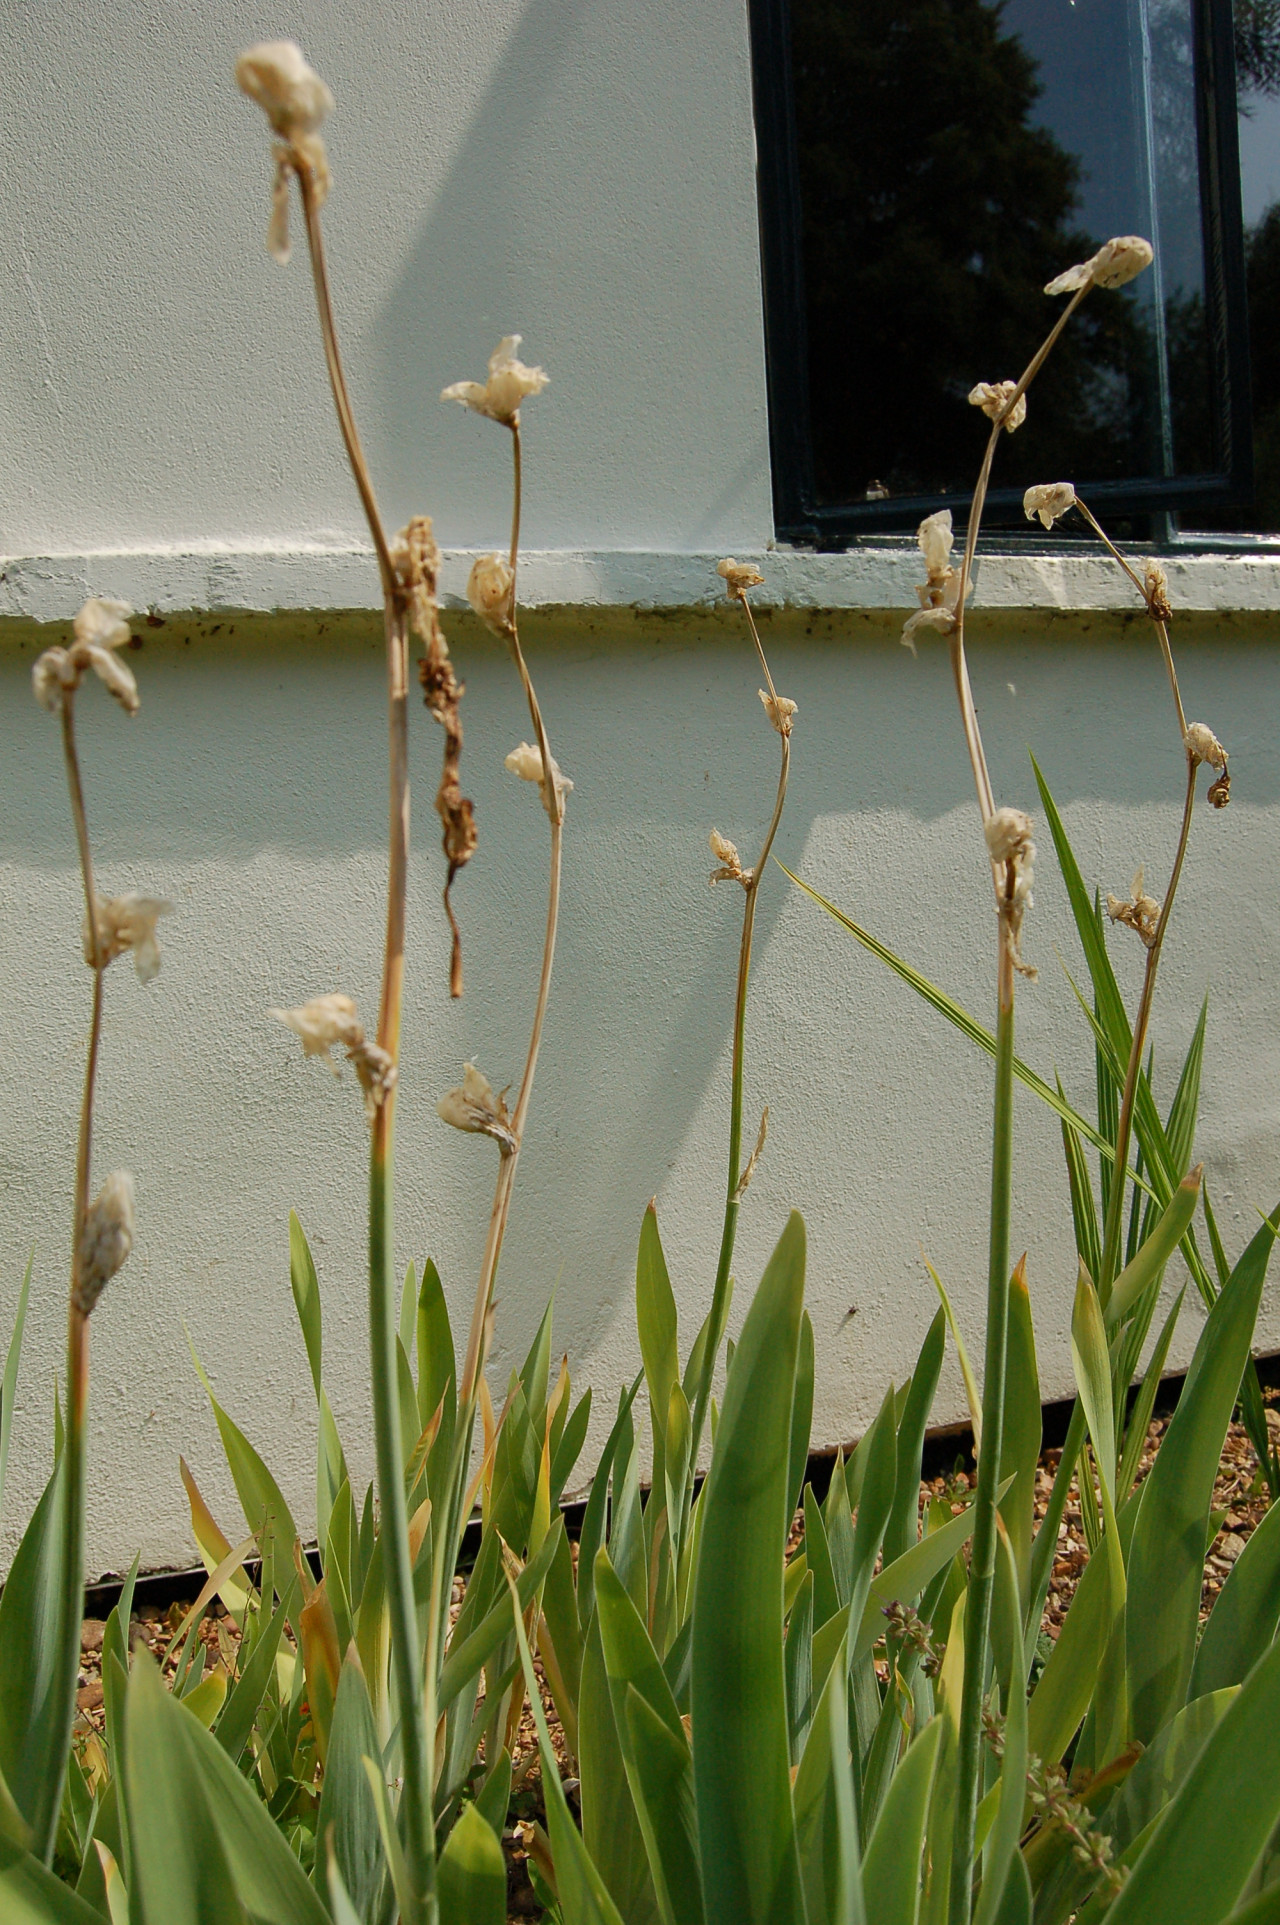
x,y
943,619
106,1238
510,381
112,671
103,624
51,673
934,538
1050,500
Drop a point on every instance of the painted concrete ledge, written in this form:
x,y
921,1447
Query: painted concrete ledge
x,y
49,588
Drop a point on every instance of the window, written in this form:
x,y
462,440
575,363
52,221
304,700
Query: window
x,y
926,165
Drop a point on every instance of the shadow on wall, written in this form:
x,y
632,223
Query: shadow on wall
x,y
563,215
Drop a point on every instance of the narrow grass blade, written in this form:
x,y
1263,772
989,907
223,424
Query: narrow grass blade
x,y
972,1394
903,1526
955,1014
1155,1252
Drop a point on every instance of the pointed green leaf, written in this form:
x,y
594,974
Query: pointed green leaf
x,y
1198,1861
656,1320
904,1519
893,1864
472,1874
1166,1559
750,1868
1156,1250
9,1383
1245,1615
306,1296
30,1895
33,1738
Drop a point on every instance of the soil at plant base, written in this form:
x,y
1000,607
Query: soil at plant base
x,y
1239,1505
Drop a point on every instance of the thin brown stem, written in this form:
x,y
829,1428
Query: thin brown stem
x,y
1110,1262
62,1709
338,380
554,804
718,1314
1162,629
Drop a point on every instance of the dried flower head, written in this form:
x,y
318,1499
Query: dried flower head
x,y
726,854
295,100
1202,745
321,1023
738,576
509,382
127,922
779,708
941,591
1011,849
475,1108
1141,913
332,1019
525,760
290,93
1050,500
99,629
1116,262
1156,584
491,592
106,1238
993,397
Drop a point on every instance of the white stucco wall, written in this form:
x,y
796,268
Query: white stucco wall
x,y
582,171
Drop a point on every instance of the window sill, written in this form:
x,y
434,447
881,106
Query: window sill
x,y
215,578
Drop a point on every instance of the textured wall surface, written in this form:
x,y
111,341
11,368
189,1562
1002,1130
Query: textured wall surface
x,y
580,171
250,790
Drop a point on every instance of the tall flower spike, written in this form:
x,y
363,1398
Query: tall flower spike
x,y
510,381
1116,262
296,101
993,398
1050,500
105,1240
128,922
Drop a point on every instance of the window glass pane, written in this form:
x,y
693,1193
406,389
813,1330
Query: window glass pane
x,y
1258,97
952,156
